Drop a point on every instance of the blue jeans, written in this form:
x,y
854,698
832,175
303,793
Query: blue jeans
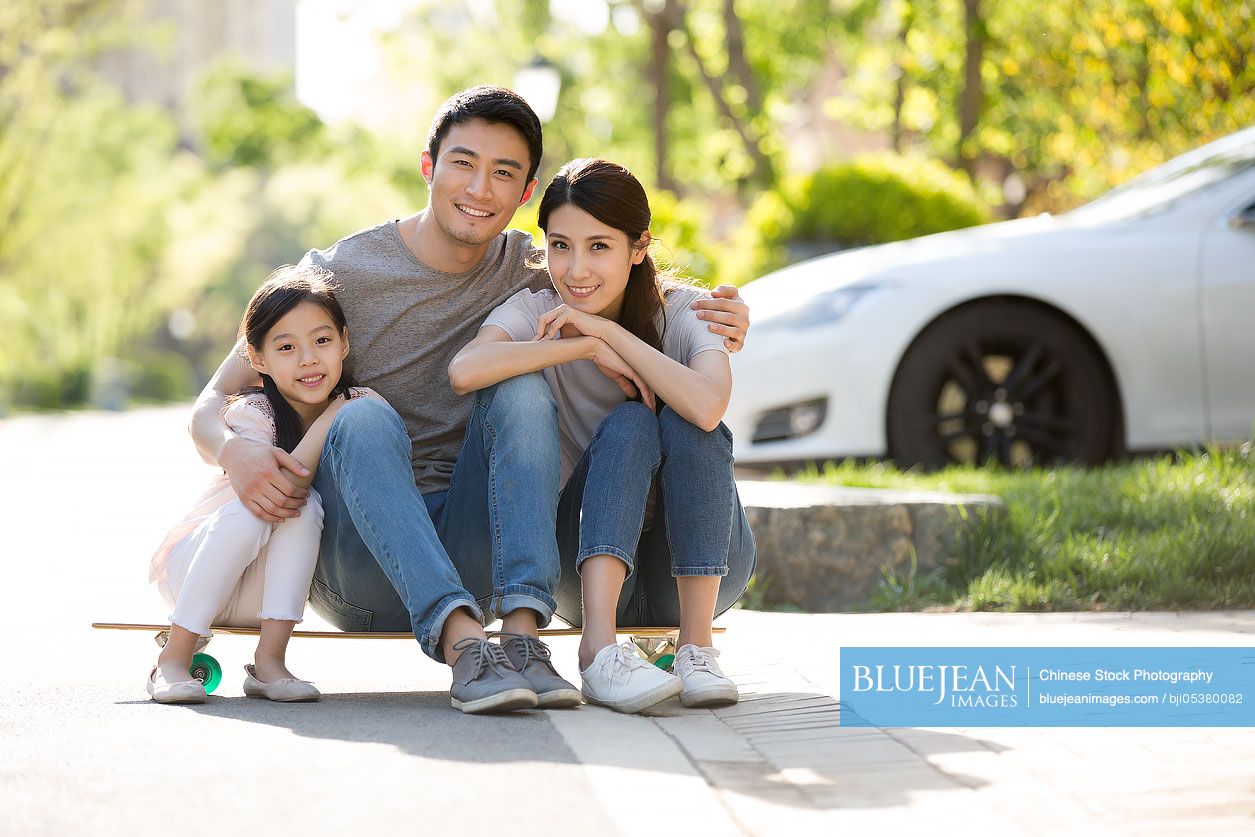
x,y
393,559
699,527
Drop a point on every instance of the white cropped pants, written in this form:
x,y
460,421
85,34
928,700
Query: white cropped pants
x,y
237,570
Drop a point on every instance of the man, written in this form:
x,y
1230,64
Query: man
x,y
406,488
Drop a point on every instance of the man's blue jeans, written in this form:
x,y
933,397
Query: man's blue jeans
x,y
393,559
698,528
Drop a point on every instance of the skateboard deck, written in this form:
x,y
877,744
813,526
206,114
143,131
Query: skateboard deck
x,y
656,644
227,629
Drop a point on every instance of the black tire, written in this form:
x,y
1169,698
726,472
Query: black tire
x,y
1001,380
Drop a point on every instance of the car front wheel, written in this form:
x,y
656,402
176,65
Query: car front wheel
x,y
1004,381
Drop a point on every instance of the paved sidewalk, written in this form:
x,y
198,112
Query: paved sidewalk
x,y
82,750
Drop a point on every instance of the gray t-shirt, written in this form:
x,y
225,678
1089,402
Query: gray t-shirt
x,y
584,395
406,322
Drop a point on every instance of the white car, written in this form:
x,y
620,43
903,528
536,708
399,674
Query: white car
x,y
1126,324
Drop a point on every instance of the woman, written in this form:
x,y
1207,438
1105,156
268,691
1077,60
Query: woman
x,y
650,528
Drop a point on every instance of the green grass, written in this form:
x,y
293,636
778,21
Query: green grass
x,y
1170,532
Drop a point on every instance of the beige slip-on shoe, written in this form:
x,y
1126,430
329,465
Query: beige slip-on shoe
x,y
182,691
287,690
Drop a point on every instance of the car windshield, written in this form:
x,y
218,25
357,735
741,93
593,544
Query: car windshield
x,y
1164,185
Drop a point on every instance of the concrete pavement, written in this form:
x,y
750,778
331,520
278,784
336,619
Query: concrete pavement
x,y
83,751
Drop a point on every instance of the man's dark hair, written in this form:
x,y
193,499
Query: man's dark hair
x,y
491,104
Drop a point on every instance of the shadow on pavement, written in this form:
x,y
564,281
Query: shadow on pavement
x,y
418,723
782,747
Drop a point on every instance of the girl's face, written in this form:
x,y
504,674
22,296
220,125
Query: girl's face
x,y
304,354
589,262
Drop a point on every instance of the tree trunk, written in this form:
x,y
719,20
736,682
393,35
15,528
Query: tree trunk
x,y
659,73
972,99
678,19
899,95
738,63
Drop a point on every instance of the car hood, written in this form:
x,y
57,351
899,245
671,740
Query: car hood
x,y
928,258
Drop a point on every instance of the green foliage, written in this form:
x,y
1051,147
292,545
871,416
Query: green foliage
x,y
871,199
162,375
874,199
606,104
258,222
681,230
110,226
87,185
251,120
1164,532
1107,89
1077,97
600,110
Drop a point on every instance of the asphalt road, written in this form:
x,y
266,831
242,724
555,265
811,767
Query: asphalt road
x,y
86,497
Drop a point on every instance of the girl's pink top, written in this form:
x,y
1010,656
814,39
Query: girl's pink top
x,y
251,417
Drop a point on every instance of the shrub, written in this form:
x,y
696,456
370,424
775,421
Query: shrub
x,y
871,199
163,376
51,388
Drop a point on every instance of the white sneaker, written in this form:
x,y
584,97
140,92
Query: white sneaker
x,y
704,683
619,679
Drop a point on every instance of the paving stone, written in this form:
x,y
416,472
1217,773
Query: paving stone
x,y
705,738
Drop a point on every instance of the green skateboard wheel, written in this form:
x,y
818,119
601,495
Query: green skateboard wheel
x,y
207,670
664,662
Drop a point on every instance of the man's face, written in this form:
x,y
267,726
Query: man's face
x,y
478,181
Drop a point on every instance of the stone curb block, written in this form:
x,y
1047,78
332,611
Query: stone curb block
x,y
826,548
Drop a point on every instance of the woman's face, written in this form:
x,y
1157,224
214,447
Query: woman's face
x,y
304,354
589,262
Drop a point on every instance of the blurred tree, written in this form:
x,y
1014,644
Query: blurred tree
x,y
246,119
1070,98
1104,90
121,250
674,18
85,187
689,94
972,95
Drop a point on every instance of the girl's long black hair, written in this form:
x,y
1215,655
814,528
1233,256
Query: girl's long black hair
x,y
283,290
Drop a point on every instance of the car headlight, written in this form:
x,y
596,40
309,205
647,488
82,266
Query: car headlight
x,y
821,309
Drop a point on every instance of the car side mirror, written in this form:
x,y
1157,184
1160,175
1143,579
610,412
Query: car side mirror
x,y
1244,220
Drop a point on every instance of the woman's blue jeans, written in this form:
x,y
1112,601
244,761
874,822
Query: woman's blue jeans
x,y
393,559
698,527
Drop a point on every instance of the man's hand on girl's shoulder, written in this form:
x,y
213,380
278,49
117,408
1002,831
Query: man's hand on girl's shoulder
x,y
727,314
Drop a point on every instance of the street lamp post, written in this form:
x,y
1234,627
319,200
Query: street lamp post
x,y
539,84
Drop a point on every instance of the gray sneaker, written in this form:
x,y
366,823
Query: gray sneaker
x,y
483,680
530,658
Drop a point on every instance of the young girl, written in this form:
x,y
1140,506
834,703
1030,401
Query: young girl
x,y
224,566
648,517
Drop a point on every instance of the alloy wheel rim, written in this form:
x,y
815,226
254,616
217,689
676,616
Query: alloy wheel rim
x,y
1003,403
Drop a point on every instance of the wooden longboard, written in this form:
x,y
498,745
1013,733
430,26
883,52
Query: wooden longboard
x,y
657,645
226,629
